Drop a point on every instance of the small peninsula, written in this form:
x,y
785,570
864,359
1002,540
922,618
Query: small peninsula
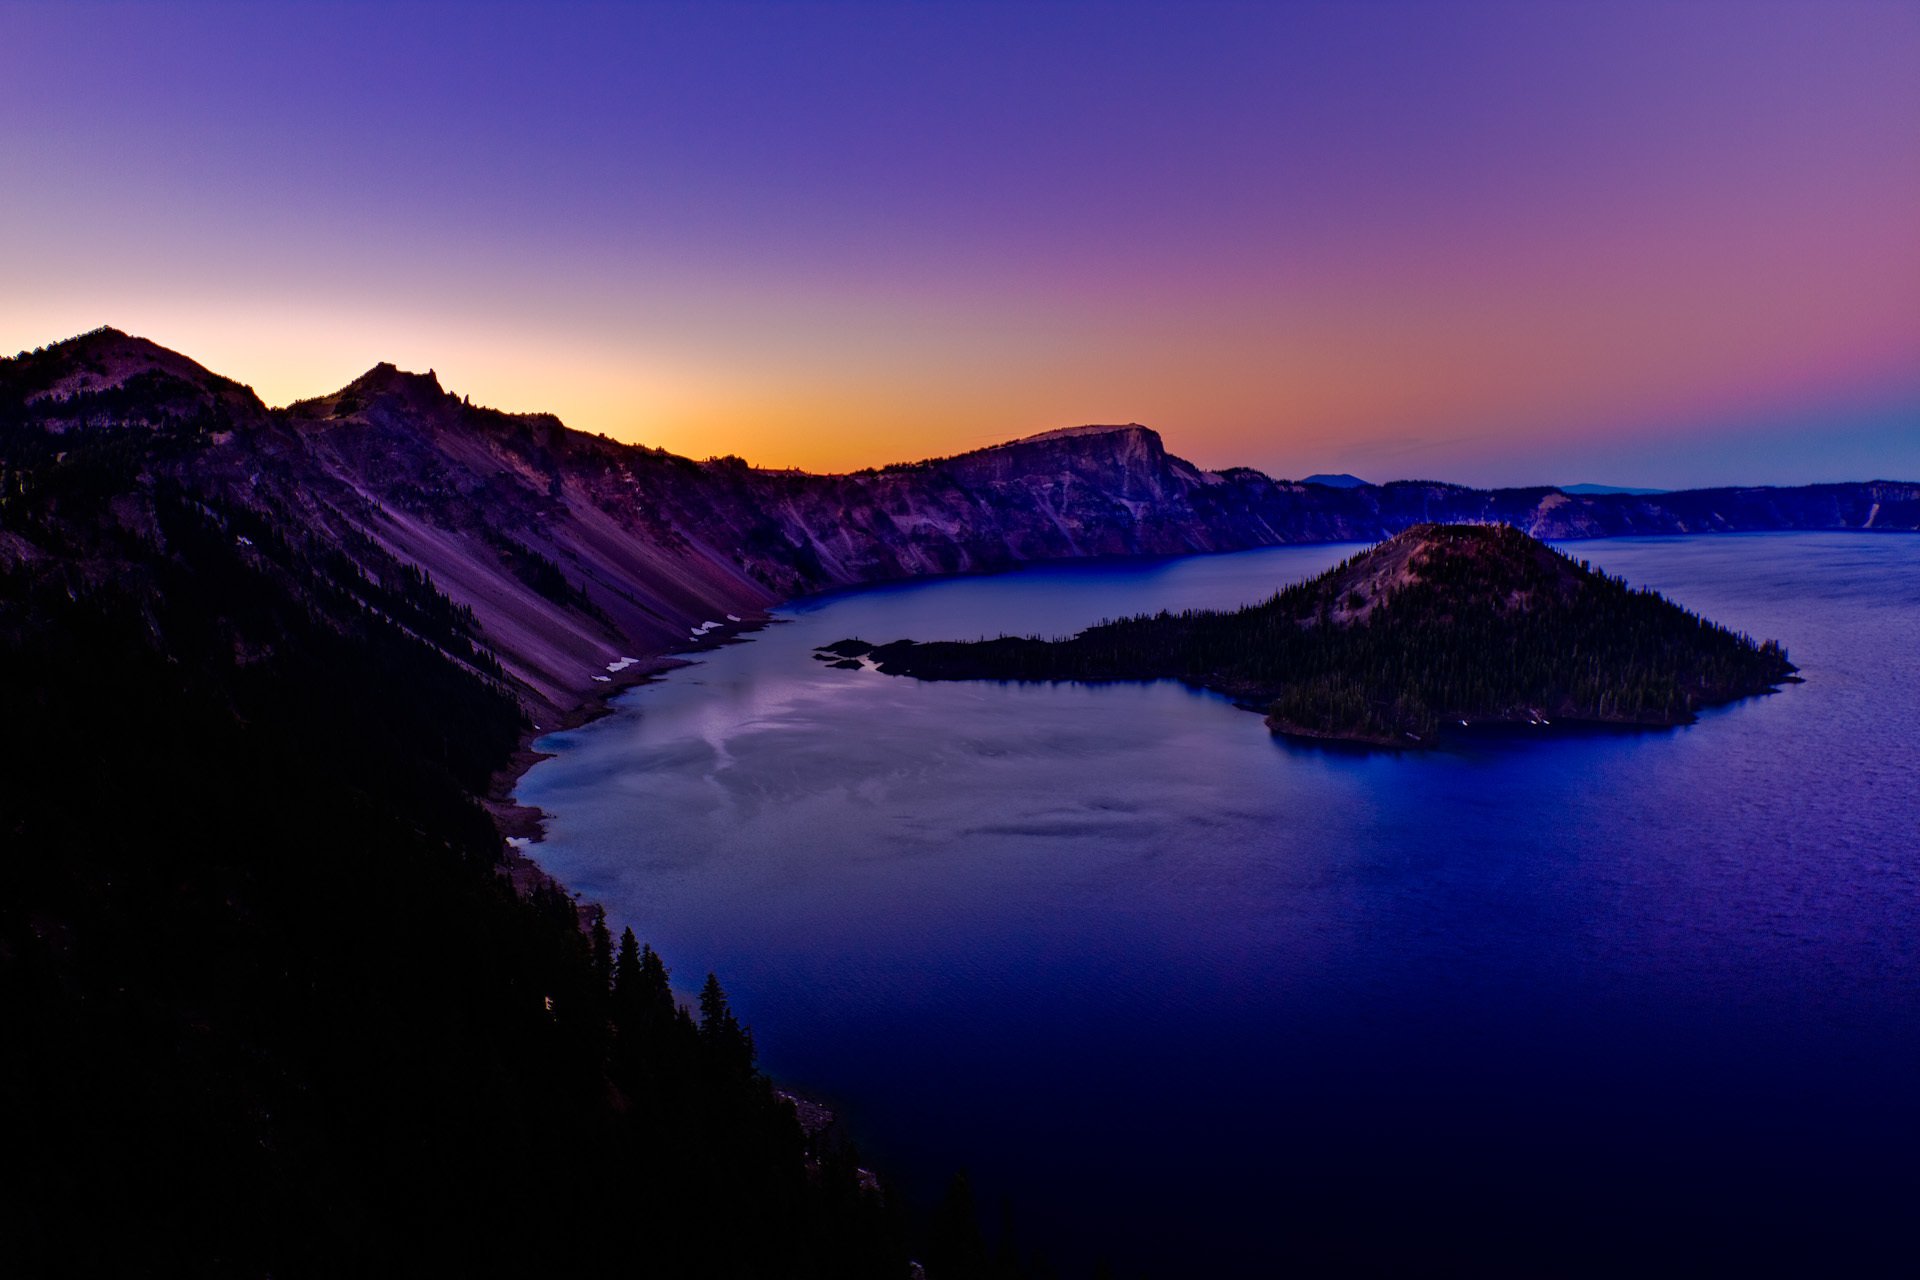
x,y
1440,626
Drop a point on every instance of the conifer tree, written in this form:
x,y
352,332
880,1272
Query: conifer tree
x,y
629,997
728,1043
656,994
602,951
716,1018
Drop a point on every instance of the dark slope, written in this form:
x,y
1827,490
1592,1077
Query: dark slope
x,y
275,1006
1440,625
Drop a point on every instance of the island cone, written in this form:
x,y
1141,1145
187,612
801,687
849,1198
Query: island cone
x,y
1439,626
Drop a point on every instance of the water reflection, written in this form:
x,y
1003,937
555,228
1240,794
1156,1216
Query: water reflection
x,y
1133,960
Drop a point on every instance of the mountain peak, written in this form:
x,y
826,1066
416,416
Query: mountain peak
x,y
1506,566
100,334
1091,429
105,359
387,377
385,385
116,355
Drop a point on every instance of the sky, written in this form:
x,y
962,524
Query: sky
x,y
1660,244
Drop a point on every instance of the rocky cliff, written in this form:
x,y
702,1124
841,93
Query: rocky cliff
x,y
573,550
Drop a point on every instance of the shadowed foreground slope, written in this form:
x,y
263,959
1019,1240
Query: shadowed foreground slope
x,y
274,1006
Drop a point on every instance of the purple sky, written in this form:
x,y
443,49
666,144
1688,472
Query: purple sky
x,y
1659,244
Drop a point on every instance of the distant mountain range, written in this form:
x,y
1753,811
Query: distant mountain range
x,y
1587,490
572,549
1343,480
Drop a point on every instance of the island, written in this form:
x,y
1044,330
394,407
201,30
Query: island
x,y
1440,627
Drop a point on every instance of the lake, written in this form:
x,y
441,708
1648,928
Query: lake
x,y
1198,1000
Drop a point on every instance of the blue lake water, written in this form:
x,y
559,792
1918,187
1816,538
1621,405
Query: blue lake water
x,y
1198,999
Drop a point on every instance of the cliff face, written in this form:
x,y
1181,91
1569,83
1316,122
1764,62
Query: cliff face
x,y
572,549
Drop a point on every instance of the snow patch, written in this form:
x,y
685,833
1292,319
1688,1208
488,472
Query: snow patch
x,y
604,679
622,664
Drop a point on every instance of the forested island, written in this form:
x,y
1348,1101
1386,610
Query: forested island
x,y
1441,625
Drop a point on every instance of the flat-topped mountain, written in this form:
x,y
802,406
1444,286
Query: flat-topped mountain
x,y
1441,625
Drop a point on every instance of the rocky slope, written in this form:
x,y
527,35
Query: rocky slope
x,y
573,550
274,966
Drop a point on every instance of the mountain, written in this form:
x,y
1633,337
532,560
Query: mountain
x,y
1588,490
1340,481
1439,626
287,1007
573,550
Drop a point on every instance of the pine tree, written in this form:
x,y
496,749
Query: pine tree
x,y
656,994
629,987
728,1044
602,951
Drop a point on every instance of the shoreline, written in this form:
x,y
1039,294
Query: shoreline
x,y
1259,702
1494,724
522,827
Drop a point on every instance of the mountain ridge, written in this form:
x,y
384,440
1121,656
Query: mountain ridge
x,y
574,550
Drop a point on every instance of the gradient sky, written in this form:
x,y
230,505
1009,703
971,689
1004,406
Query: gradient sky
x,y
1639,243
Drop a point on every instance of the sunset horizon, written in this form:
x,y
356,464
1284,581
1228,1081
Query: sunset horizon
x,y
1824,469
1639,243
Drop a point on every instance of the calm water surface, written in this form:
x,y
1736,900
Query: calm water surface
x,y
1197,999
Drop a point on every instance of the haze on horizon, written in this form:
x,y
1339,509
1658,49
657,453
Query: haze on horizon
x,y
1493,243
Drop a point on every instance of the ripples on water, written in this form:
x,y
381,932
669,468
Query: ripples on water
x,y
1196,997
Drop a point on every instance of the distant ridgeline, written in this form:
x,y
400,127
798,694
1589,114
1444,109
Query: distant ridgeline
x,y
1442,625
